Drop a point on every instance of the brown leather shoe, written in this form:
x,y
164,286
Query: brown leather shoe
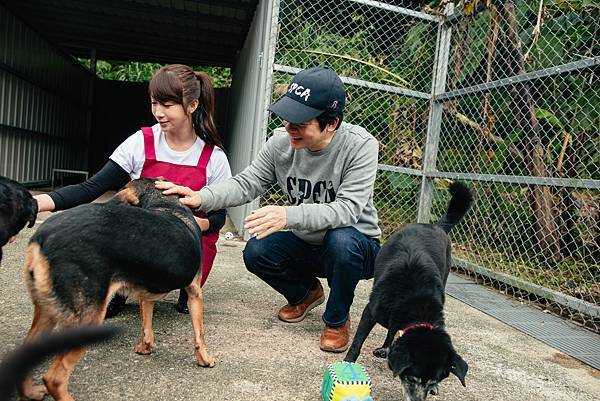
x,y
296,313
336,339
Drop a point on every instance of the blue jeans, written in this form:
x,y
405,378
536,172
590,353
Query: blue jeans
x,y
290,266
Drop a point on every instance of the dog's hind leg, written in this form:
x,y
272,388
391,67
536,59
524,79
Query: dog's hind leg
x,y
195,306
367,322
146,343
57,376
41,323
36,273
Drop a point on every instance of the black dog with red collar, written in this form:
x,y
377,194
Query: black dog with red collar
x,y
408,297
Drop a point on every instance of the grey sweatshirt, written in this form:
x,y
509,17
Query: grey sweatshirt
x,y
326,189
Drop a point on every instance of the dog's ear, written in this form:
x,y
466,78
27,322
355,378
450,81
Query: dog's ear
x,y
398,361
459,367
33,211
128,195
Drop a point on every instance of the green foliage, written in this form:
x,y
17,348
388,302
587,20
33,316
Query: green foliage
x,y
133,71
571,106
394,195
360,45
355,46
220,76
474,46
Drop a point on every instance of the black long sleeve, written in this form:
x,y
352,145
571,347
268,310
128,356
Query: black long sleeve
x,y
216,220
110,177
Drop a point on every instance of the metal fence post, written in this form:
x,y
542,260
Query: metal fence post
x,y
434,124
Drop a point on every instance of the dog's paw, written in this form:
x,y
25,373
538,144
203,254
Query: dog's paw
x,y
381,352
36,393
182,308
203,358
143,348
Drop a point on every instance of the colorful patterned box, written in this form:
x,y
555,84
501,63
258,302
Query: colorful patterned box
x,y
346,381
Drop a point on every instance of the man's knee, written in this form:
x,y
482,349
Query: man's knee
x,y
348,252
253,254
342,242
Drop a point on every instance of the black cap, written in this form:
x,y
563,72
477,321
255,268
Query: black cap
x,y
312,92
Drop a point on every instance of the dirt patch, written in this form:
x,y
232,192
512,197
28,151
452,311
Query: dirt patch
x,y
571,363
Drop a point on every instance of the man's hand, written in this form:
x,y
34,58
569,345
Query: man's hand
x,y
189,197
265,221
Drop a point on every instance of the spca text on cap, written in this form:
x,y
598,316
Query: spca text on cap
x,y
300,91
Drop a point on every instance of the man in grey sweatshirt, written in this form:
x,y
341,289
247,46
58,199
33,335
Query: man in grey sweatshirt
x,y
327,169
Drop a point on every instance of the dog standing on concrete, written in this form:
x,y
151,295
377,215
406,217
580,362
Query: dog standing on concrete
x,y
140,240
407,299
17,209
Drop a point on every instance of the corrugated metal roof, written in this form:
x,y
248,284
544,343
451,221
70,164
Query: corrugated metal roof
x,y
199,32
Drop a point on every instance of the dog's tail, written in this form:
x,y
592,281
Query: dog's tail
x,y
17,364
459,205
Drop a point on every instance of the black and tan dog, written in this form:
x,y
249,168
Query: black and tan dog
x,y
17,208
78,258
411,271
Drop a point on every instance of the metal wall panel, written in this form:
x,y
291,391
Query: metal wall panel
x,y
43,105
251,78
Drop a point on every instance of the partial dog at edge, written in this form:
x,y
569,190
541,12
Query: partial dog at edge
x,y
141,241
16,365
408,297
17,208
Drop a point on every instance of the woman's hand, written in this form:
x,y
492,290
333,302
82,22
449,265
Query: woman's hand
x,y
189,197
265,221
45,203
202,223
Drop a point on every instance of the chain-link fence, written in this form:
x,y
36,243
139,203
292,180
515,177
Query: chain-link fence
x,y
503,96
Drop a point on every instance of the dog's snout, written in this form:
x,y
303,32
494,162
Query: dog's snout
x,y
434,390
414,391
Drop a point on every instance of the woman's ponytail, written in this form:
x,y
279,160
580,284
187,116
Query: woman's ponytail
x,y
203,117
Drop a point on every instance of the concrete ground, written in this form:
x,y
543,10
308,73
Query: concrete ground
x,y
261,358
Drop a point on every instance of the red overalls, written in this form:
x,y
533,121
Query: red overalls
x,y
189,176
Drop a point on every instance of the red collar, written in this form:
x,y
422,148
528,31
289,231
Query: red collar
x,y
400,333
415,326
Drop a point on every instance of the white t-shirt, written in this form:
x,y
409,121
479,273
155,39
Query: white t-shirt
x,y
130,155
